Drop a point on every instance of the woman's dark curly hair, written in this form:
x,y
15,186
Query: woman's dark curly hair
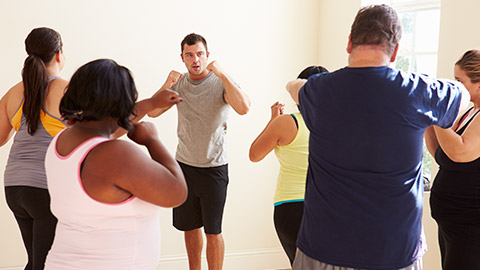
x,y
311,70
100,89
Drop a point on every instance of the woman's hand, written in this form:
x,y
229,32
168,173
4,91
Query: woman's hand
x,y
143,133
277,110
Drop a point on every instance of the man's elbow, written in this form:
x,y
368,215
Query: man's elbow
x,y
243,110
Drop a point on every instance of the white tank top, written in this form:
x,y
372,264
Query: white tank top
x,y
94,235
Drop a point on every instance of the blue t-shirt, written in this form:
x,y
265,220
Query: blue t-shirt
x,y
364,191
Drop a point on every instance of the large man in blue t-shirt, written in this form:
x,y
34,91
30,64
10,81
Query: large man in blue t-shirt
x,y
364,192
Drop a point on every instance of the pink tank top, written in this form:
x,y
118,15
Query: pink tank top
x,y
94,235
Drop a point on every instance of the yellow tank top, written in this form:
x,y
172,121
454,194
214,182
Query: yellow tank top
x,y
293,160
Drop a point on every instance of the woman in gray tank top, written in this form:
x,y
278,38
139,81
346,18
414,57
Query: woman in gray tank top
x,y
30,110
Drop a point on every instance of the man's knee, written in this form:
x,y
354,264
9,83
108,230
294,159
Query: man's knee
x,y
213,235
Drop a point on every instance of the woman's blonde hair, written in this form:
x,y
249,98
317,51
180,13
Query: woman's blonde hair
x,y
470,63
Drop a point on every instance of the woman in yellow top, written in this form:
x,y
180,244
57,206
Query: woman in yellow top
x,y
288,135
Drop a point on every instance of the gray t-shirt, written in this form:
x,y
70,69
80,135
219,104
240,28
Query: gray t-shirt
x,y
202,121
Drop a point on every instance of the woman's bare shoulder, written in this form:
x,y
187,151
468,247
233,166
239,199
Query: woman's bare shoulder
x,y
12,99
59,86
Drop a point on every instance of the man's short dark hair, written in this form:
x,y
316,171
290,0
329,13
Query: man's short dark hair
x,y
376,25
100,89
193,39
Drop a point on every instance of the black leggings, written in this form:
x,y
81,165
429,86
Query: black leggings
x,y
287,218
459,246
31,208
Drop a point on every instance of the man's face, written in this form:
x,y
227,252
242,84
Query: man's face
x,y
195,58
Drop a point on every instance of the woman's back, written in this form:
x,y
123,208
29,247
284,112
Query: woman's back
x,y
92,234
106,193
25,166
293,159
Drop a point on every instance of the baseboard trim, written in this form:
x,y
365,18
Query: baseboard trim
x,y
252,259
228,254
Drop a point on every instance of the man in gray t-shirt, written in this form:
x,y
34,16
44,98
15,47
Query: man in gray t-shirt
x,y
207,93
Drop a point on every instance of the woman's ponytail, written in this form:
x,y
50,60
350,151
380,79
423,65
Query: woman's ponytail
x,y
41,45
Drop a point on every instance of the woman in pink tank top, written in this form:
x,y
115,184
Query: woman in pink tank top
x,y
106,193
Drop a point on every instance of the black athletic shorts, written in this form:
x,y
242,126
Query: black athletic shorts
x,y
207,192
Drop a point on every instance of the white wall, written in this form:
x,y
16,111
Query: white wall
x,y
262,44
458,25
336,18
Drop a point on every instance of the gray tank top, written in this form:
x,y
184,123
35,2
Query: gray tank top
x,y
26,160
202,121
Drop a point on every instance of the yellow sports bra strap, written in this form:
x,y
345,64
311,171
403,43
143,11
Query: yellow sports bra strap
x,y
16,119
